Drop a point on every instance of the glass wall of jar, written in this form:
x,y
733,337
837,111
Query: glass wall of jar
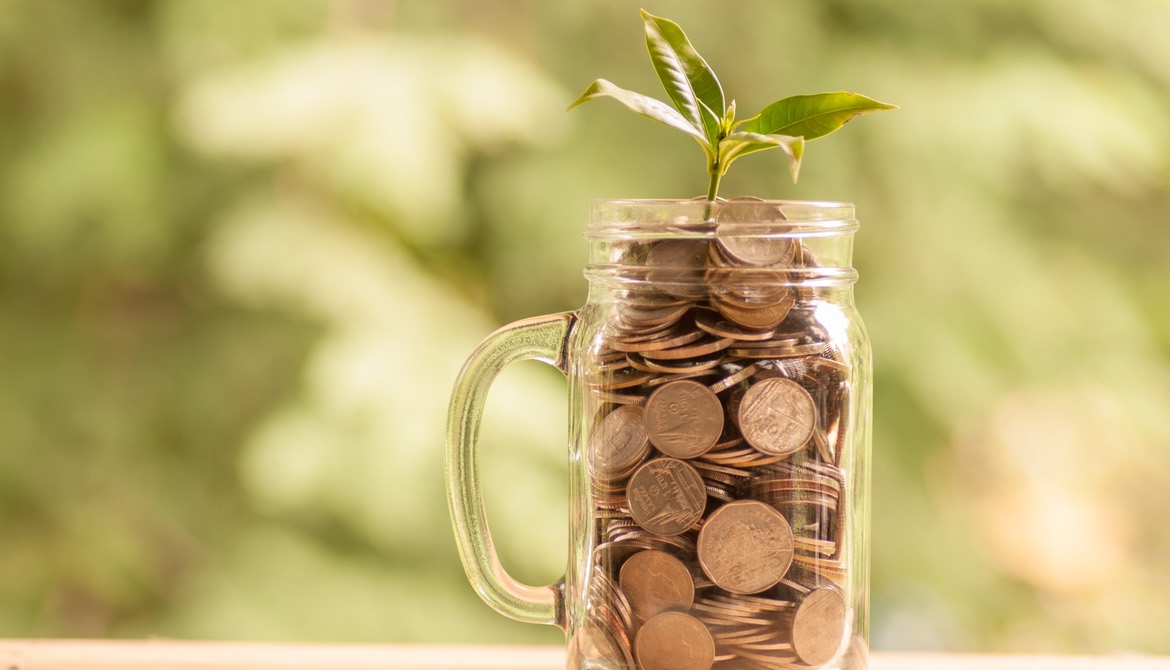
x,y
719,380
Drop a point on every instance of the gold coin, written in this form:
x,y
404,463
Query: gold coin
x,y
777,341
745,547
750,287
676,367
683,419
618,444
666,496
695,350
620,378
677,267
735,378
757,318
654,581
745,248
819,625
714,323
748,233
777,416
794,351
665,340
627,334
674,641
651,319
661,379
619,398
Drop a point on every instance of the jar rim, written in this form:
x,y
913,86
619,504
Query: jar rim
x,y
624,218
700,201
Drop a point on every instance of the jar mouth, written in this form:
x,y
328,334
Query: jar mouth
x,y
746,242
701,218
743,280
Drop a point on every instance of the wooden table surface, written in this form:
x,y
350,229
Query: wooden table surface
x,y
180,655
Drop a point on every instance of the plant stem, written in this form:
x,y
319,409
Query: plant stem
x,y
716,175
713,188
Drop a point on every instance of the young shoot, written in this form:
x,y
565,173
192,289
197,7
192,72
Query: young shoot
x,y
701,110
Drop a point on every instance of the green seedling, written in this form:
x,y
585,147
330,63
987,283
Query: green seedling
x,y
702,111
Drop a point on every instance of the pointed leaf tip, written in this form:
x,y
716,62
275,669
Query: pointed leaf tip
x,y
690,83
813,116
643,105
797,157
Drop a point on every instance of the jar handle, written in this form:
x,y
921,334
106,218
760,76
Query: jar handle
x,y
542,338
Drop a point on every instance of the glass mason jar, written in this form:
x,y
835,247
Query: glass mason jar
x,y
719,439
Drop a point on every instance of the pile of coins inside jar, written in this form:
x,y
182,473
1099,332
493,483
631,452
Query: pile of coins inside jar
x,y
715,458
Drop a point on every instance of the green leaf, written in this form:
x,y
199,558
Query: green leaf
x,y
742,143
688,80
644,105
811,116
705,114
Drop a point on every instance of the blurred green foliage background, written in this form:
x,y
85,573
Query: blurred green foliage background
x,y
245,245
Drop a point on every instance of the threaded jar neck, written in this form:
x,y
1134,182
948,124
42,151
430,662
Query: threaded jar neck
x,y
684,242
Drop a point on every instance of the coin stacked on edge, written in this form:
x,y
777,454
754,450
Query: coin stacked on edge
x,y
715,461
